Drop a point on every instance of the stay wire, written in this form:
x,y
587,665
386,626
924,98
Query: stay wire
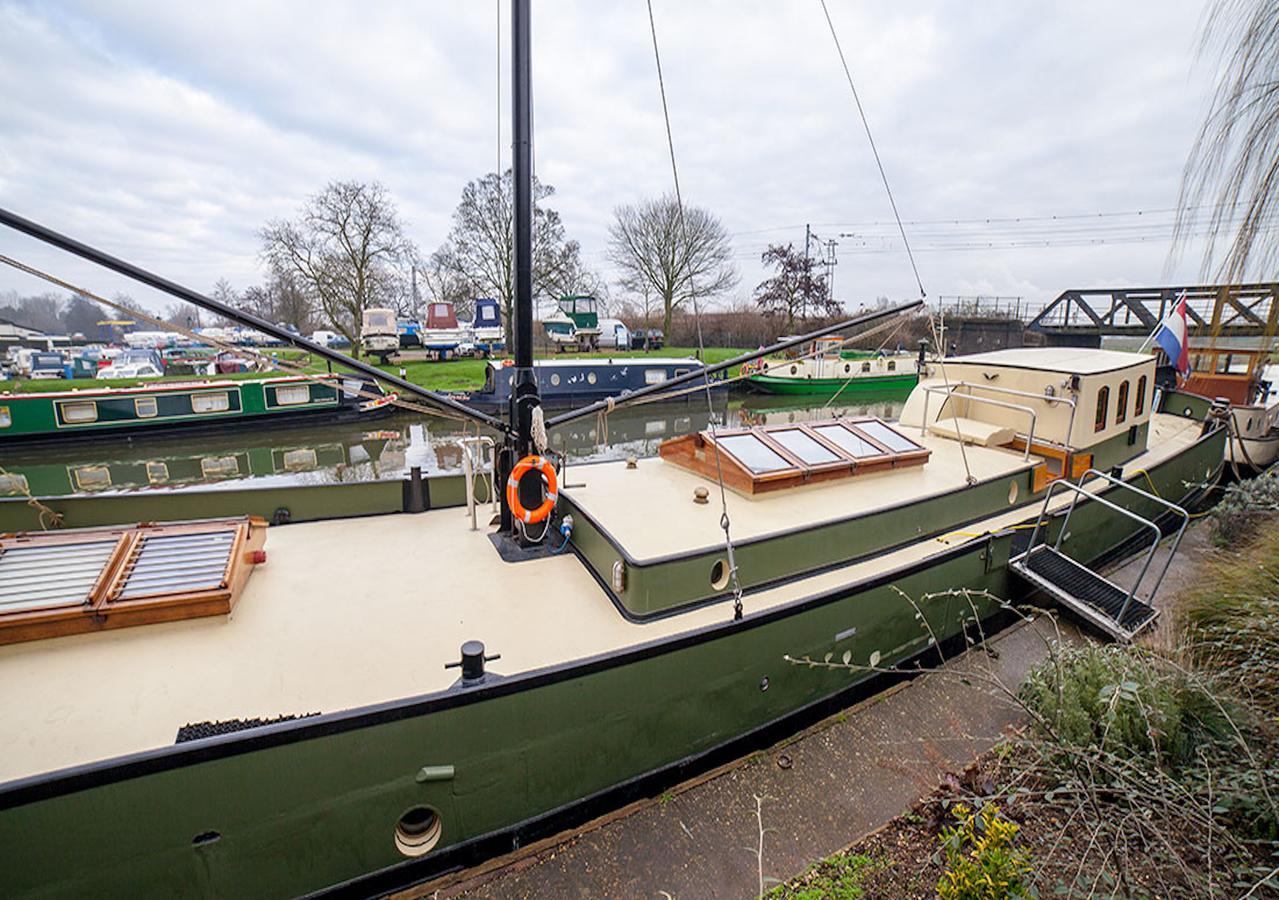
x,y
873,149
724,521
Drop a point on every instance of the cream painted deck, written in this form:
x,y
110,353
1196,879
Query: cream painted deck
x,y
650,510
353,612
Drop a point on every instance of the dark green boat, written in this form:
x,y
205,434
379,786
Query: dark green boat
x,y
58,416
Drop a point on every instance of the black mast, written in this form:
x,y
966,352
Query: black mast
x,y
524,393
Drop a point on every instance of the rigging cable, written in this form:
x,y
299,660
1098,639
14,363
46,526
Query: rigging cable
x,y
865,124
724,522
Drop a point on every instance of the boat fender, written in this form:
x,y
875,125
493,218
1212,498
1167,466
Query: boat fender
x,y
522,468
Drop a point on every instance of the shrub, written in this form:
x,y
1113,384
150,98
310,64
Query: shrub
x,y
982,862
1243,507
1121,701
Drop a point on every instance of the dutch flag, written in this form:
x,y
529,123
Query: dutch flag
x,y
1171,337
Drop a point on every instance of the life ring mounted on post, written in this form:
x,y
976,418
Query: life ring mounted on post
x,y
522,468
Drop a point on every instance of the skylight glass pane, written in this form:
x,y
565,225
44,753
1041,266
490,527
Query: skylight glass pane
x,y
803,446
753,453
886,436
850,443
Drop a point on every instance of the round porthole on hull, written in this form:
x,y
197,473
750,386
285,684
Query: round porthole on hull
x,y
1012,493
418,831
719,575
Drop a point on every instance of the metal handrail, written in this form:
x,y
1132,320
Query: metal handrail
x,y
1168,504
1074,405
949,391
469,467
1079,490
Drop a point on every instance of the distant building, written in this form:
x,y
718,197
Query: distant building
x,y
14,335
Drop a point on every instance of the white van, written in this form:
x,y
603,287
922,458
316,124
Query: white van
x,y
614,334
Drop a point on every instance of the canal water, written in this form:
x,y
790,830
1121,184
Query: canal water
x,y
376,450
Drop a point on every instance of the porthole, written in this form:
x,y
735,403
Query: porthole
x,y
847,368
1012,492
555,379
590,378
418,831
794,370
719,575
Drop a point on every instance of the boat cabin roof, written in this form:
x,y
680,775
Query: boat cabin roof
x,y
1067,360
604,361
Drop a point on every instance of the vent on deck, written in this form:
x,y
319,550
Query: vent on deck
x,y
54,575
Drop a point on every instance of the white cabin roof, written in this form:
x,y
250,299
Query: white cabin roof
x,y
1073,360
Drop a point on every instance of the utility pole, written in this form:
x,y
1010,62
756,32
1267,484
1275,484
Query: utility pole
x,y
831,262
808,281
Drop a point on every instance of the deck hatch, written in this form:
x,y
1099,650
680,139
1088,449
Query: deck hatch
x,y
68,582
772,457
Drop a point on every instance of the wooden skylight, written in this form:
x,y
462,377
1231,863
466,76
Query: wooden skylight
x,y
88,579
774,457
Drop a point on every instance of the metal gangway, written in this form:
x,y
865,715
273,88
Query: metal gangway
x,y
1121,614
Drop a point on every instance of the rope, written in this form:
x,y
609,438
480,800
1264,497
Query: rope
x,y
873,149
538,430
851,378
43,512
724,521
959,434
263,358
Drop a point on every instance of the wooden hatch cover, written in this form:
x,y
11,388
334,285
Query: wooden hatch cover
x,y
90,579
774,457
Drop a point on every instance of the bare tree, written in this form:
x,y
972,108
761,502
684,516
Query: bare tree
x,y
794,290
479,253
661,256
280,300
1235,159
347,251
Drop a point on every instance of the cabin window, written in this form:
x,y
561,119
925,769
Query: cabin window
x,y
590,378
881,433
11,483
157,472
211,402
219,466
753,453
555,379
92,478
6,418
1121,403
892,365
849,441
1141,396
773,457
866,366
299,460
1103,409
145,407
79,412
440,309
292,394
654,376
803,447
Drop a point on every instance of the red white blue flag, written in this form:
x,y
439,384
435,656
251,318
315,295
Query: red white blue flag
x,y
1172,337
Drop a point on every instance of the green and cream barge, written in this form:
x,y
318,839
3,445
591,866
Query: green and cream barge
x,y
92,413
154,759
827,369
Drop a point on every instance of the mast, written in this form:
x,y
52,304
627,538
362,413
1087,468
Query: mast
x,y
525,395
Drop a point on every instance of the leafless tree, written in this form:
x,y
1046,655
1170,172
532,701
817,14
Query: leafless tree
x,y
280,300
660,255
347,250
1233,167
479,252
794,291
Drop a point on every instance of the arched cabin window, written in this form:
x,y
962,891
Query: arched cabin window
x,y
1141,396
892,365
1121,403
866,367
1103,408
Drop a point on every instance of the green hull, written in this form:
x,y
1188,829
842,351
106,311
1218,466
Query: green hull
x,y
298,806
824,387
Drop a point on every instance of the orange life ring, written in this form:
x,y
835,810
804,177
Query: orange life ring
x,y
522,468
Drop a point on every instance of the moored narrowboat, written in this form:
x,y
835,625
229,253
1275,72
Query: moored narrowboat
x,y
58,416
568,381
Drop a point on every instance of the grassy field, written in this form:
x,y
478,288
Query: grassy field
x,y
454,375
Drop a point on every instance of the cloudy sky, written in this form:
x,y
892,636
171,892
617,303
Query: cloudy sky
x,y
1031,147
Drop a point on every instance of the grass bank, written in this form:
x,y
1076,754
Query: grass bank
x,y
453,375
1142,772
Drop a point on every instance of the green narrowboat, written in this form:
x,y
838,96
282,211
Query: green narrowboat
x,y
58,416
827,370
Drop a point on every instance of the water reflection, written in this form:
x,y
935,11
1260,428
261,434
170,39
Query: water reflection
x,y
336,454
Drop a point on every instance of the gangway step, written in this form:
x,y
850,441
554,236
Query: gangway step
x,y
1080,589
